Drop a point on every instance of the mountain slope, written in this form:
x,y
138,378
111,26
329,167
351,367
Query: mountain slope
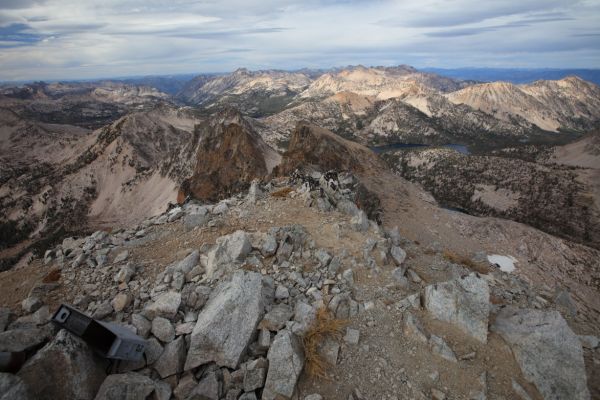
x,y
569,103
381,82
253,92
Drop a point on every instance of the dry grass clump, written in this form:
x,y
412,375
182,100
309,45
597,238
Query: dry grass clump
x,y
325,326
466,261
281,193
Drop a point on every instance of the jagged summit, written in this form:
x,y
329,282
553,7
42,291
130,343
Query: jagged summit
x,y
230,156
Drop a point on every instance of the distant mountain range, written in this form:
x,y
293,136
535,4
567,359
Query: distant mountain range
x,y
516,75
95,151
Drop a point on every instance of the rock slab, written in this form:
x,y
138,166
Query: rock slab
x,y
286,360
547,350
463,302
65,368
228,322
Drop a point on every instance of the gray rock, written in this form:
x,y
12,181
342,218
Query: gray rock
x,y
254,193
12,388
437,394
564,300
352,336
347,207
343,306
276,319
153,350
162,390
5,317
248,396
547,350
122,256
128,386
125,274
398,255
141,324
16,340
323,256
227,323
172,358
190,221
189,262
520,391
286,360
101,260
208,388
229,249
166,306
413,328
185,386
360,222
282,292
348,276
304,316
174,214
394,235
64,369
255,374
31,304
120,301
315,396
264,339
412,301
398,274
439,347
329,350
463,302
103,310
220,208
589,341
163,329
269,246
40,317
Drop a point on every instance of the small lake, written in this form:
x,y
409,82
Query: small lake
x,y
461,148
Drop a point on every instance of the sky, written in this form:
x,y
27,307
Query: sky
x,y
86,39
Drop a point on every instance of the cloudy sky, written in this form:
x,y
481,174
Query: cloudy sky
x,y
59,39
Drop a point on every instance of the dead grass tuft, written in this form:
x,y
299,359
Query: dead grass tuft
x,y
325,326
52,276
466,261
281,193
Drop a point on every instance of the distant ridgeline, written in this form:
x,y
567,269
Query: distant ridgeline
x,y
516,75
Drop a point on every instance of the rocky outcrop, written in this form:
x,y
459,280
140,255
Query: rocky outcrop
x,y
311,146
547,350
230,156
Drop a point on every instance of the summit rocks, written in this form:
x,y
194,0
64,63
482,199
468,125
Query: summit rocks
x,y
227,323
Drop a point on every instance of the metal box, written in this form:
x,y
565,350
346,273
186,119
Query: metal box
x,y
108,339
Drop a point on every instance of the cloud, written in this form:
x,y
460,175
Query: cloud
x,y
18,35
18,4
85,39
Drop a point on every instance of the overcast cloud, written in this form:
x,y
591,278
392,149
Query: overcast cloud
x,y
60,39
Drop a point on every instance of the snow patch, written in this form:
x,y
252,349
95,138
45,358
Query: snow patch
x,y
506,263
